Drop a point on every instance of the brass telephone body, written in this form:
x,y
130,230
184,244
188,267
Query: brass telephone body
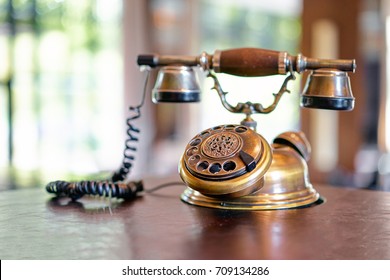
x,y
217,175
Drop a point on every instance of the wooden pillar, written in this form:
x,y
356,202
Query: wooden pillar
x,y
344,14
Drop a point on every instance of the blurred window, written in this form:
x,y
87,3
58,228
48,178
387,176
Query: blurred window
x,y
64,62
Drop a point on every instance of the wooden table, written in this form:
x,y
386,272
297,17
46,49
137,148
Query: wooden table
x,y
351,224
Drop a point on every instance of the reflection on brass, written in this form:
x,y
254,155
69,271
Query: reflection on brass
x,y
297,140
286,181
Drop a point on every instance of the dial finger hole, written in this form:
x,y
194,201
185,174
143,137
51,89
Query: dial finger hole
x,y
192,151
215,168
194,159
195,142
241,129
229,127
202,166
229,166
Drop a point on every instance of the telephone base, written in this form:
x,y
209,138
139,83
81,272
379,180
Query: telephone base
x,y
280,180
259,200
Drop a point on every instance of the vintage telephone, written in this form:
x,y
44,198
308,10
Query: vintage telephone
x,y
231,166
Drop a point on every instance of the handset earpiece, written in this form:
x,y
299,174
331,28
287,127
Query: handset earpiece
x,y
226,161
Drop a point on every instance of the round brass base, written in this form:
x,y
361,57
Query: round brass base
x,y
255,201
285,182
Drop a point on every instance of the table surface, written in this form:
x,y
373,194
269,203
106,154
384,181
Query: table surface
x,y
351,224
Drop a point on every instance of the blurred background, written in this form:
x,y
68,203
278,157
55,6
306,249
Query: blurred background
x,y
68,74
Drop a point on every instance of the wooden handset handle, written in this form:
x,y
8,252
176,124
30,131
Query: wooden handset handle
x,y
250,62
253,62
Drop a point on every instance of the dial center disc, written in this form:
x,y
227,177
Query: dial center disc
x,y
221,145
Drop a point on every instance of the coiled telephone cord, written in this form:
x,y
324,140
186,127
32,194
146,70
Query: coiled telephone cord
x,y
115,188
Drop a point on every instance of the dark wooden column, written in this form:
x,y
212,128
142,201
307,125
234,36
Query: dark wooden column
x,y
345,14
